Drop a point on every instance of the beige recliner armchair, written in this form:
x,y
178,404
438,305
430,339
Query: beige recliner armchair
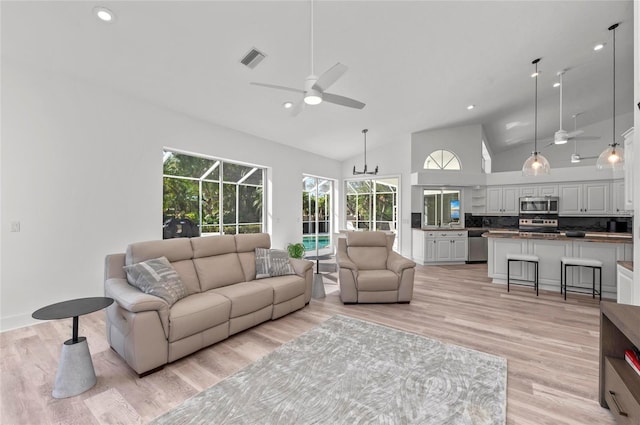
x,y
371,272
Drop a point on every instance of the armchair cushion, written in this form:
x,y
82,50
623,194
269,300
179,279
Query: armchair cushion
x,y
157,277
377,280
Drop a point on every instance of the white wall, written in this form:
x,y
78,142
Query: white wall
x,y
464,141
394,160
82,173
560,155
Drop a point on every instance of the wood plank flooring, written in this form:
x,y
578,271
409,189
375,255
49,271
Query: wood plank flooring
x,y
551,348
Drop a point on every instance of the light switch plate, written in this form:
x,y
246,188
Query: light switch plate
x,y
15,226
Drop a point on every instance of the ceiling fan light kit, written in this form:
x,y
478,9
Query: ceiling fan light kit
x,y
365,171
613,156
536,164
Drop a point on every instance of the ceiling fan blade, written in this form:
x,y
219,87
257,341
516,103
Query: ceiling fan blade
x,y
574,133
341,100
297,108
585,138
327,79
273,86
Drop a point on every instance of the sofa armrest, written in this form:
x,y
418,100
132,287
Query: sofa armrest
x,y
131,298
397,263
300,266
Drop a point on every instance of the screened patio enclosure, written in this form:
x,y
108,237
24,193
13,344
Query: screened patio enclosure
x,y
220,197
316,215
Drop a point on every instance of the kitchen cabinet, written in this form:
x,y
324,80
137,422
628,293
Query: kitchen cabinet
x,y
539,190
628,169
618,204
549,252
626,291
503,200
439,246
591,198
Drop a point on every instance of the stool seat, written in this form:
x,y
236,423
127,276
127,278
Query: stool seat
x,y
591,263
585,262
522,257
527,258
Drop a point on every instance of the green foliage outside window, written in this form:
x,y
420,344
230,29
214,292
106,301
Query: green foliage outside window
x,y
192,189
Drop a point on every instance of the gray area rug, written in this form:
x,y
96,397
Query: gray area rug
x,y
347,371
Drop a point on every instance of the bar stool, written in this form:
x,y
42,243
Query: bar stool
x,y
581,262
527,258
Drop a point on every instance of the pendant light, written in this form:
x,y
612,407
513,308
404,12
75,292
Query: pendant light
x,y
536,164
613,156
364,132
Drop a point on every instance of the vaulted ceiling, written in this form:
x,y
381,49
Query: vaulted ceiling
x,y
416,64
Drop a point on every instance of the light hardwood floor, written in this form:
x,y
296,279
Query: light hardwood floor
x,y
551,348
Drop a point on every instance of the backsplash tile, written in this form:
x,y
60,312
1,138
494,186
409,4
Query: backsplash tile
x,y
593,224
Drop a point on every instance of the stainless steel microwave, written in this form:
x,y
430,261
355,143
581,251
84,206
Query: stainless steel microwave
x,y
543,205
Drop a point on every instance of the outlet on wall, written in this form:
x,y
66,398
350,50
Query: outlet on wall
x,y
15,226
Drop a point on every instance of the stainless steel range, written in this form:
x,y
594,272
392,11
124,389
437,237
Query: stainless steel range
x,y
538,224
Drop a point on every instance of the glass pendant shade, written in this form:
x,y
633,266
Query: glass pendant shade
x,y
536,165
612,158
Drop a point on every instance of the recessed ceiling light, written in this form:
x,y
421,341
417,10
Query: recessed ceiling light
x,y
556,84
535,74
598,46
470,107
104,14
287,105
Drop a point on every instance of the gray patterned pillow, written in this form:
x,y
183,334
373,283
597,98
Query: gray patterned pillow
x,y
272,262
157,277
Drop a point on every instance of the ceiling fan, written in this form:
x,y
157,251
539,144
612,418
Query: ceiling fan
x,y
314,86
575,156
562,136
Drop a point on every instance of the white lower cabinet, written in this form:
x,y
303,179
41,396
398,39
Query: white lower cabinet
x,y
549,252
441,246
626,292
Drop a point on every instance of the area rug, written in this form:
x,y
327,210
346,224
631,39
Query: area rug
x,y
347,371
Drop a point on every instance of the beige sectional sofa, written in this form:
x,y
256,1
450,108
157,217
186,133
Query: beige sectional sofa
x,y
223,297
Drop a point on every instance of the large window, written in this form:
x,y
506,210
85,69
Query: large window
x,y
372,204
218,197
441,207
316,214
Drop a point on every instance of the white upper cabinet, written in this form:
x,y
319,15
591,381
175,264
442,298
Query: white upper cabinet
x,y
539,190
585,198
503,200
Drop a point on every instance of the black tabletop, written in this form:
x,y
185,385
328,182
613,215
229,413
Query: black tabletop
x,y
72,308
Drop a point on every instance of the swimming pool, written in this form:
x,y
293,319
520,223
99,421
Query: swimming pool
x,y
309,242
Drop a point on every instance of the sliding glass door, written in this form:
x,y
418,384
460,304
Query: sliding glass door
x,y
316,215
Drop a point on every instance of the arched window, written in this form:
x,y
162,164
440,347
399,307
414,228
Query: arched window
x,y
442,160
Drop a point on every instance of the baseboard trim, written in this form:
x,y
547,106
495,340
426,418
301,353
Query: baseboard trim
x,y
16,321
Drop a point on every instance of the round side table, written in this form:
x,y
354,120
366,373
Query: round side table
x,y
75,372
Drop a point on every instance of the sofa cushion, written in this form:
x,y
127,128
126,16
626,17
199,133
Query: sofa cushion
x,y
207,246
218,270
377,280
246,297
248,242
285,288
179,253
369,257
197,313
272,262
157,277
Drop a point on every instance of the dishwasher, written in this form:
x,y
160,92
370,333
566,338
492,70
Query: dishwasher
x,y
477,246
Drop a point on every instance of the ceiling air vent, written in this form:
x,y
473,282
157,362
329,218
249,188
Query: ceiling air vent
x,y
253,58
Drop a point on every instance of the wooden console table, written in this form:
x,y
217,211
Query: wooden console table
x,y
619,383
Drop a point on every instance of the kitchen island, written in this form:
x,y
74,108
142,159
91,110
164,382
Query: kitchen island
x,y
549,247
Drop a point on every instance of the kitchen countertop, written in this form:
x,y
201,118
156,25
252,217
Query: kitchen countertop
x,y
626,264
602,237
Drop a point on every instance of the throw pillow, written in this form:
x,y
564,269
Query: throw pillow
x,y
157,277
272,262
